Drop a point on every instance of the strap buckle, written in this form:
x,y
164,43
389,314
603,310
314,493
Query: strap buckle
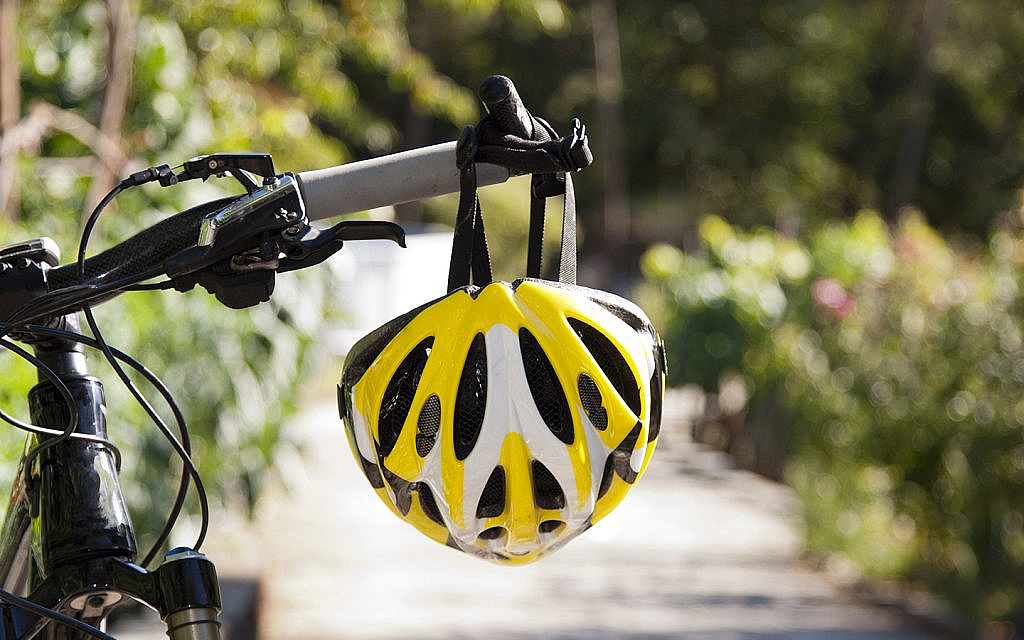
x,y
575,148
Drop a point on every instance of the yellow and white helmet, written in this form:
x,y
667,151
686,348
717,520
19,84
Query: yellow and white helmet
x,y
505,420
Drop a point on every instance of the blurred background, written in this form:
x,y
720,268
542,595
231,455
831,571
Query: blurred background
x,y
820,203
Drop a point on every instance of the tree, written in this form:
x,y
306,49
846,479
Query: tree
x,y
791,113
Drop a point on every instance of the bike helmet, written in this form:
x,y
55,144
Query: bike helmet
x,y
504,419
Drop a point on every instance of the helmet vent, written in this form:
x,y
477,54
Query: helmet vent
x,y
590,397
492,533
344,409
492,499
606,477
550,526
428,503
402,489
545,388
427,425
618,462
611,361
371,472
656,401
397,400
471,399
547,493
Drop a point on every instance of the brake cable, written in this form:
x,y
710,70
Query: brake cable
x,y
162,389
189,468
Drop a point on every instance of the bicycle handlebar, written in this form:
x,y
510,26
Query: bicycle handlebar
x,y
358,186
418,173
388,180
143,250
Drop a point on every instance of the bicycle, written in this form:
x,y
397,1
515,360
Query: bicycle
x,y
68,554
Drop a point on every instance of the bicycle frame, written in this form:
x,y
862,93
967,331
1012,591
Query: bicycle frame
x,y
67,542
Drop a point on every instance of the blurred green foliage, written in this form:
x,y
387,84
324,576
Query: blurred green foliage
x,y
890,366
788,113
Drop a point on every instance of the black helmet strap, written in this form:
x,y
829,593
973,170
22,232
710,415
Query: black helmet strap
x,y
551,163
471,261
543,186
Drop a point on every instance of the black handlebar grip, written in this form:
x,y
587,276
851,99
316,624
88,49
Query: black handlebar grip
x,y
507,110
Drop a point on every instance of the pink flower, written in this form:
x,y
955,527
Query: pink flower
x,y
831,295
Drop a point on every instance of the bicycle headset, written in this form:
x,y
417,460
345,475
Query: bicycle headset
x,y
504,419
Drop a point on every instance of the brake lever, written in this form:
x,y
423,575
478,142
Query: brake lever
x,y
307,246
238,165
247,278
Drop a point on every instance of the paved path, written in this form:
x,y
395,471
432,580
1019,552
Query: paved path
x,y
698,550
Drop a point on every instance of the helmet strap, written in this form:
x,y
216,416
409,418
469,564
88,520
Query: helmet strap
x,y
550,163
543,186
471,260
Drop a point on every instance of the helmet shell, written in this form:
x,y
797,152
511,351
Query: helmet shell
x,y
505,420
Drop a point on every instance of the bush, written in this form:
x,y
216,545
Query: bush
x,y
889,370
